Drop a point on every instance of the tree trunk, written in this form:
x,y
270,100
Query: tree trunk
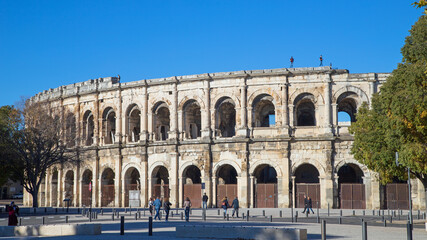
x,y
35,194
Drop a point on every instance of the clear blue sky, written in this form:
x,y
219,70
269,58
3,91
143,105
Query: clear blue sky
x,y
46,44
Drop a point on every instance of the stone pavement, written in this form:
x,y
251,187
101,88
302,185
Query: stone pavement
x,y
137,229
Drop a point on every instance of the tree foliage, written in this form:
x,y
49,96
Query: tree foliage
x,y
35,144
397,119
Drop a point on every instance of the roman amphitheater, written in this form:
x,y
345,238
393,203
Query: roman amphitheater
x,y
266,136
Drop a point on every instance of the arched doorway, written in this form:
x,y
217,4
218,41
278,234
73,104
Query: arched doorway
x,y
192,123
307,183
351,187
227,183
161,121
107,188
132,188
305,110
86,192
160,183
69,186
225,117
109,126
54,188
193,185
263,111
265,187
133,123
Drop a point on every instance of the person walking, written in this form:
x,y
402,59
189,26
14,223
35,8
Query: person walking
x,y
205,200
225,205
187,205
305,203
235,206
13,219
167,208
310,205
157,205
151,206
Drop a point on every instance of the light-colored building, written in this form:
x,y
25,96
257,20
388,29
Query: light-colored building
x,y
266,136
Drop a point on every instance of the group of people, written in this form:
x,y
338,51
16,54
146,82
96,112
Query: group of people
x,y
308,205
235,205
155,205
13,211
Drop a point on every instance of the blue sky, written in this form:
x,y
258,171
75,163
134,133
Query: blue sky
x,y
46,44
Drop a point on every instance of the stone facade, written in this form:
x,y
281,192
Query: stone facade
x,y
166,137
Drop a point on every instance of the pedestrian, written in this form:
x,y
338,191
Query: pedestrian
x,y
292,61
305,203
225,205
157,205
151,206
167,208
321,60
13,219
310,205
235,206
187,205
15,208
205,200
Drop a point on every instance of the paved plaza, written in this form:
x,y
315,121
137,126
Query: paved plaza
x,y
350,227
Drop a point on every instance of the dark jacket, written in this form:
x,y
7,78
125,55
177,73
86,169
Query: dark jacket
x,y
310,203
235,203
205,198
167,205
225,204
305,202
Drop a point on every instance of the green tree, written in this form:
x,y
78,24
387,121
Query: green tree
x,y
397,118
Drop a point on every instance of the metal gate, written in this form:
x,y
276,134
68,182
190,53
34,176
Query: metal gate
x,y
107,196
352,196
312,190
127,189
226,190
397,196
86,195
194,192
161,193
266,195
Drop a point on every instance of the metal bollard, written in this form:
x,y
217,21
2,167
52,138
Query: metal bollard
x,y
43,220
150,225
136,216
45,209
228,217
182,216
323,230
280,213
391,219
328,210
296,216
263,213
34,210
20,221
292,214
418,215
373,212
339,220
354,212
385,222
409,230
122,225
177,211
102,212
66,219
271,218
112,215
139,215
219,212
364,230
126,210
56,210
340,213
306,214
243,215
363,212
247,216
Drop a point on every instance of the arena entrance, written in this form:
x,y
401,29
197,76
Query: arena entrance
x,y
193,186
69,186
54,188
107,188
86,194
227,184
132,182
307,183
397,196
161,183
265,187
351,188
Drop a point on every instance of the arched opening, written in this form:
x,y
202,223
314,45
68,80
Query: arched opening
x,y
107,188
192,119
265,186
161,121
192,185
88,128
109,126
225,117
305,110
69,186
160,182
54,188
87,188
134,123
351,187
347,108
263,111
70,130
132,188
227,183
307,183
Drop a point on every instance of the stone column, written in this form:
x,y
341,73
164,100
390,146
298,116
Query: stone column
x,y
285,120
292,122
242,190
80,187
214,188
182,126
327,93
294,192
336,191
97,122
368,192
252,191
144,183
96,184
242,131
173,134
150,127
118,201
335,118
206,114
99,195
174,181
144,116
150,186
75,188
326,192
60,187
181,191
